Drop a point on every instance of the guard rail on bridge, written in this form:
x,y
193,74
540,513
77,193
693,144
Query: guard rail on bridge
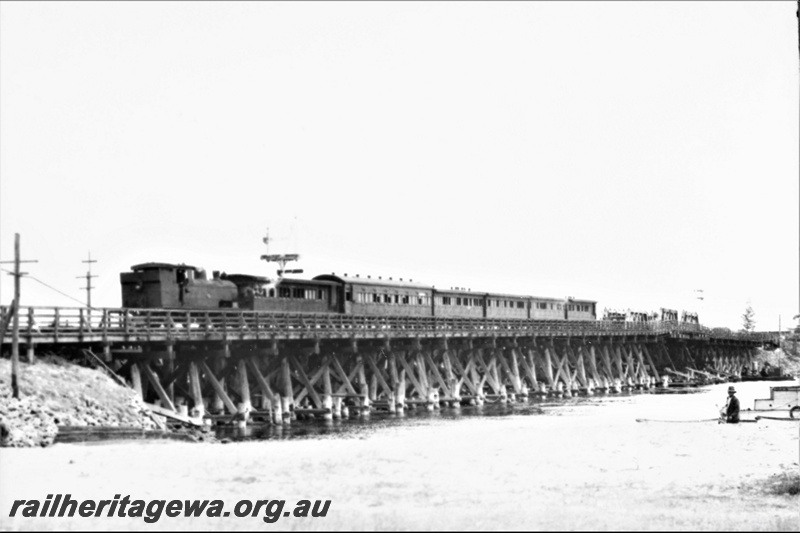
x,y
44,325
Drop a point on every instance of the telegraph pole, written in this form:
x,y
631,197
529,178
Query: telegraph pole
x,y
15,311
88,277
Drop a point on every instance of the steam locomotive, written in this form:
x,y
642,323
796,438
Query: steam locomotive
x,y
180,286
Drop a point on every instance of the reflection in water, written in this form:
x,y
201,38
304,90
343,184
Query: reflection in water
x,y
672,404
360,427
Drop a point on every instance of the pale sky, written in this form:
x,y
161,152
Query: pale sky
x,y
626,152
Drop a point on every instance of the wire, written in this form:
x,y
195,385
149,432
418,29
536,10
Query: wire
x,y
48,286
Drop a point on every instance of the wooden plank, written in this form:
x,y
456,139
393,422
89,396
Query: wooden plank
x,y
136,380
244,385
345,379
229,405
393,370
307,382
592,356
580,368
162,394
286,376
466,376
176,374
479,379
410,374
196,388
607,361
487,375
314,379
173,415
455,385
436,374
262,383
514,378
378,374
529,372
548,367
116,377
563,367
422,372
515,369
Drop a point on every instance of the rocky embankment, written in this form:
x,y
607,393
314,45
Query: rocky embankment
x,y
54,392
784,360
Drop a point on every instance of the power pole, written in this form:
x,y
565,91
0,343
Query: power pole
x,y
15,310
88,277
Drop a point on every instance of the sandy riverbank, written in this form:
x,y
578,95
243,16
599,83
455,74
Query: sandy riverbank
x,y
580,466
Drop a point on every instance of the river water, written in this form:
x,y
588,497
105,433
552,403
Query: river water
x,y
575,464
692,405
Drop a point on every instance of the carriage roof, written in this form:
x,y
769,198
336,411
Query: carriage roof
x,y
378,282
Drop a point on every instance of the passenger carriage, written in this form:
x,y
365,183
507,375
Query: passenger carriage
x,y
383,297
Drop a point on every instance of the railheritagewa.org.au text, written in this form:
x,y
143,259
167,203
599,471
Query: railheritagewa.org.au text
x,y
63,505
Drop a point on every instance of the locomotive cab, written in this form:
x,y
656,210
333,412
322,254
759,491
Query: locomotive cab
x,y
170,286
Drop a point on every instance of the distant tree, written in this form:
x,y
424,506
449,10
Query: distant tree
x,y
748,319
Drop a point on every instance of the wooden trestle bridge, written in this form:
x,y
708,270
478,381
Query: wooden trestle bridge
x,y
277,367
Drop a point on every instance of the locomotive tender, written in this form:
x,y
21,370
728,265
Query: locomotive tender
x,y
172,286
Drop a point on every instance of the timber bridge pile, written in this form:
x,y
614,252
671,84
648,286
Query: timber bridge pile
x,y
277,367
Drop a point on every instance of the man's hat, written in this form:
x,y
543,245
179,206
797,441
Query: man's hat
x,y
731,389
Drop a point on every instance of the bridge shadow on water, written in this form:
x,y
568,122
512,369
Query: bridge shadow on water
x,y
356,427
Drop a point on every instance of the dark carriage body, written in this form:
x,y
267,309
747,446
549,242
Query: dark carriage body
x,y
258,293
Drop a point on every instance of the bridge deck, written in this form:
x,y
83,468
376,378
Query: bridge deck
x,y
58,325
193,363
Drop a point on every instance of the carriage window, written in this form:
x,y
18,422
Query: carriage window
x,y
376,298
405,299
520,305
348,295
445,300
284,292
272,293
387,298
397,298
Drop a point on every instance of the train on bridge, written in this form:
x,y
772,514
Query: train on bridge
x,y
181,286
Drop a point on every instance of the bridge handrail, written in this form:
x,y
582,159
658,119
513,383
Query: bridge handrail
x,y
37,322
